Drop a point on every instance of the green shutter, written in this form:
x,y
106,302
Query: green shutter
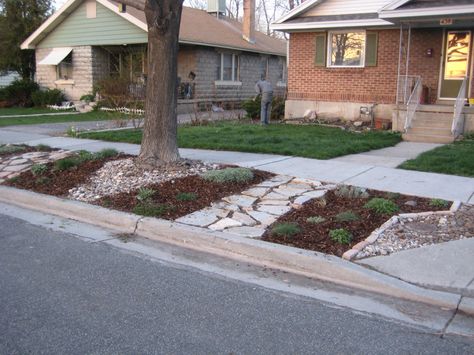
x,y
320,56
371,49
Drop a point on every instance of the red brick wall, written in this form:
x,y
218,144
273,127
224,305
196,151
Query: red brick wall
x,y
371,84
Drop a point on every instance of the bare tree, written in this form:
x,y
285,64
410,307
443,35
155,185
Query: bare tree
x,y
159,143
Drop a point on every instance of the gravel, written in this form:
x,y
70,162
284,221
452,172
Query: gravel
x,y
124,176
423,231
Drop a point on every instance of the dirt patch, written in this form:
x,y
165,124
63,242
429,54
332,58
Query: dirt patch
x,y
315,236
169,194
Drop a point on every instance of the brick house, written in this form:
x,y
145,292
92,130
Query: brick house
x,y
408,61
219,60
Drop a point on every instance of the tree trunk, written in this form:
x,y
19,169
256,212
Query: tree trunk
x,y
159,144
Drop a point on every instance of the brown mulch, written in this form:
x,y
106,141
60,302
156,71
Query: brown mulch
x,y
316,236
58,183
206,193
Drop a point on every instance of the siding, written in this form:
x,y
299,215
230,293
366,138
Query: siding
x,y
106,29
343,7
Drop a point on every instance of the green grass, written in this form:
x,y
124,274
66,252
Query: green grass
x,y
454,159
90,116
24,111
304,141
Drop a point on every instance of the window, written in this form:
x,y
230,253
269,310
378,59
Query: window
x,y
263,71
64,68
228,68
282,71
346,49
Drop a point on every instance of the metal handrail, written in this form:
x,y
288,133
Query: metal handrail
x,y
413,102
458,123
406,83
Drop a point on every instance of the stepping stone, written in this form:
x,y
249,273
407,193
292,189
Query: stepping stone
x,y
315,194
302,199
256,191
225,223
201,218
275,210
250,232
33,155
243,218
16,168
290,192
269,183
282,178
240,200
264,218
4,174
18,162
314,183
274,202
275,196
299,186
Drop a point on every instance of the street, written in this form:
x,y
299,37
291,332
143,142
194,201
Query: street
x,y
63,294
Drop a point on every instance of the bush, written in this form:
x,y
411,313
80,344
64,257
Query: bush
x,y
186,196
278,108
382,206
228,175
88,97
286,229
39,169
19,93
346,191
316,220
42,98
340,236
145,194
67,163
106,153
347,216
439,203
253,107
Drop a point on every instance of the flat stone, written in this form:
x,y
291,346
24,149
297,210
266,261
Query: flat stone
x,y
462,324
15,168
302,199
250,232
289,192
315,194
4,174
18,162
269,183
264,218
33,155
275,196
299,186
274,202
243,218
282,178
256,191
411,203
314,183
225,206
224,224
199,218
240,200
275,210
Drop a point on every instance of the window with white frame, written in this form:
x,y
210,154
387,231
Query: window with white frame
x,y
282,71
228,68
346,49
64,68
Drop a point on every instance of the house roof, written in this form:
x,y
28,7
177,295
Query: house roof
x,y
321,14
197,27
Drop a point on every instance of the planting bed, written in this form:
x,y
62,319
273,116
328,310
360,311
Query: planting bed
x,y
358,220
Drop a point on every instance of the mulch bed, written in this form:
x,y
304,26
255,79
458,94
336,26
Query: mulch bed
x,y
205,191
316,236
58,183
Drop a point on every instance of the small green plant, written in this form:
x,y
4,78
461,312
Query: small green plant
x,y
315,219
39,169
392,195
186,196
66,163
340,236
72,132
347,216
228,175
42,180
439,203
145,194
84,155
151,210
382,206
9,149
106,153
43,148
346,191
90,97
286,229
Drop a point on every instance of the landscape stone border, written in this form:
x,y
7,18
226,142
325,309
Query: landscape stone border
x,y
352,254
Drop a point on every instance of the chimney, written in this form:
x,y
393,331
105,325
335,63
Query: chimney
x,y
249,21
216,7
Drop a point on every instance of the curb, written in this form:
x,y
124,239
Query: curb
x,y
311,264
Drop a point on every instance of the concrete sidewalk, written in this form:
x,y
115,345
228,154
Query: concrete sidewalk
x,y
367,175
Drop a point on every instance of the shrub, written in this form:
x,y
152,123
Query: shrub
x,y
286,229
228,175
340,236
88,97
19,93
84,155
39,169
106,153
151,210
346,191
67,163
144,194
316,219
347,216
278,108
186,196
253,107
9,149
382,206
439,203
42,98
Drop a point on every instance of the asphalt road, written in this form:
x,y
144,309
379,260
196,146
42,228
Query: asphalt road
x,y
63,295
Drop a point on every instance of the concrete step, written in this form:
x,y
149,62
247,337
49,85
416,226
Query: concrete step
x,y
432,116
432,123
428,130
426,138
432,108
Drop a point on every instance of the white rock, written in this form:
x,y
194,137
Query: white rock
x,y
15,168
240,200
289,192
199,218
274,202
264,218
225,223
315,194
18,162
250,232
275,210
256,191
302,199
275,196
243,218
306,181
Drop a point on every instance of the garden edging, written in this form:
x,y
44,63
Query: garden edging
x,y
302,262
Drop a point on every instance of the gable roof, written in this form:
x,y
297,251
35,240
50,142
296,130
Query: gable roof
x,y
197,27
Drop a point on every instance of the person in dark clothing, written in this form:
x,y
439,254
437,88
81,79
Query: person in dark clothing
x,y
265,88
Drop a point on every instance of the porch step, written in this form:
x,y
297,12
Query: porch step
x,y
429,130
434,116
427,138
437,108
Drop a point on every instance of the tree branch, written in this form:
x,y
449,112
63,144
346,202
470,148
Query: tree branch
x,y
137,4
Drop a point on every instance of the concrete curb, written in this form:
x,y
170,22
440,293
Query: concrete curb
x,y
302,262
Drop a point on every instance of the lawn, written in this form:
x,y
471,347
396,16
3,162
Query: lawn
x,y
304,141
455,159
90,116
24,111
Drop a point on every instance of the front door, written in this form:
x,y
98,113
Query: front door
x,y
455,63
